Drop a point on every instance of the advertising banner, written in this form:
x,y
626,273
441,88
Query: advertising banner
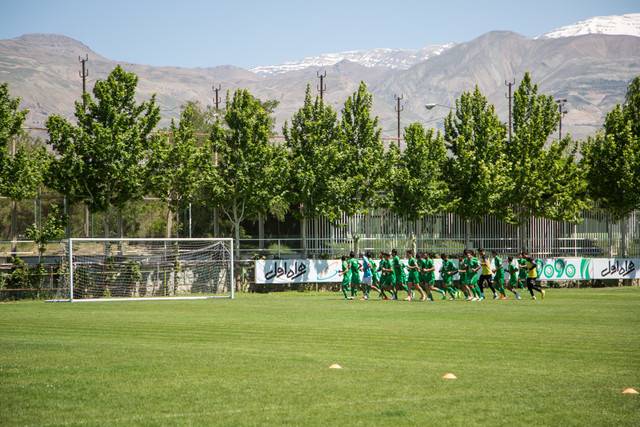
x,y
298,271
616,268
549,269
558,269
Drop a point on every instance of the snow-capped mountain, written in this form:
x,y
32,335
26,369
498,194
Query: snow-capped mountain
x,y
390,58
628,25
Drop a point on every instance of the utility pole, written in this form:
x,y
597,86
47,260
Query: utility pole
x,y
510,98
216,100
323,86
562,111
398,109
83,75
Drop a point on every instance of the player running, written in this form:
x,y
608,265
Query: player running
x,y
366,276
413,280
513,277
473,266
428,275
399,274
375,275
532,276
447,272
387,278
485,274
498,271
355,274
522,270
345,271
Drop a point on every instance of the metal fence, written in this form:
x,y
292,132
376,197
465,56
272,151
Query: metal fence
x,y
595,235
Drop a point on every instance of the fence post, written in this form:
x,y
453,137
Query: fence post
x,y
467,232
609,237
623,235
414,243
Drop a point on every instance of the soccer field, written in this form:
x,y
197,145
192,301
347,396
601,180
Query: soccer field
x,y
264,360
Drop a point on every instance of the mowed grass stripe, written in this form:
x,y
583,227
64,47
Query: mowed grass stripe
x,y
263,359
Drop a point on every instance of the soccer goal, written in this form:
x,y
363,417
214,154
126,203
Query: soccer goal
x,y
147,269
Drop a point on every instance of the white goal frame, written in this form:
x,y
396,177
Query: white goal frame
x,y
70,261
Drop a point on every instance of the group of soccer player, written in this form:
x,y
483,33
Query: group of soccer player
x,y
475,272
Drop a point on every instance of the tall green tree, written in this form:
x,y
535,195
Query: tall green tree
x,y
419,186
545,179
176,165
11,117
476,170
363,180
22,164
100,160
248,174
612,160
612,157
313,143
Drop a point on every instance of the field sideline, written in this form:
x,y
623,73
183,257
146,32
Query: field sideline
x,y
263,359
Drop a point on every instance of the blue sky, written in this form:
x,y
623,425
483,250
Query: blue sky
x,y
248,33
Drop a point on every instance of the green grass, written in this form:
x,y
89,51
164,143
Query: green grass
x,y
263,360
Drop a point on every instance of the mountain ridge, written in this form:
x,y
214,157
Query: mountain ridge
x,y
592,71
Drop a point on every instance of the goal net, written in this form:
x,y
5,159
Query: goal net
x,y
146,269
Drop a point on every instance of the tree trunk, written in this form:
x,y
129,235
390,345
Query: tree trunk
x,y
120,224
303,230
623,236
169,227
236,228
216,224
260,231
87,220
14,227
467,233
609,239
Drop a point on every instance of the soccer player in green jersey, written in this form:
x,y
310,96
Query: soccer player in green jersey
x,y
400,276
387,278
468,290
375,276
355,267
345,271
513,277
473,266
413,279
447,271
498,271
522,270
428,275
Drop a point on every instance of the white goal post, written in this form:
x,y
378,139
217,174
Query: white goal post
x,y
141,269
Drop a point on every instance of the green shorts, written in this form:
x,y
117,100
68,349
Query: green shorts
x,y
401,280
414,277
355,279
